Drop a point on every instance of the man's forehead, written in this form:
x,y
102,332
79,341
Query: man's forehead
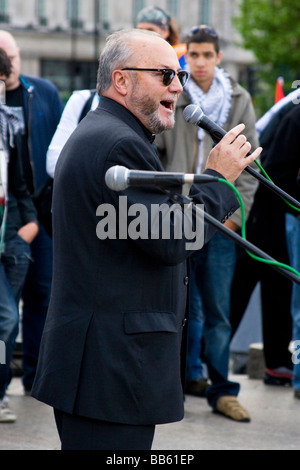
x,y
157,50
207,46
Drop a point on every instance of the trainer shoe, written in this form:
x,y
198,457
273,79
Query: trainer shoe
x,y
230,407
279,376
197,387
6,414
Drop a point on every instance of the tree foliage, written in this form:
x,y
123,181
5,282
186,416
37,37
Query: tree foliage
x,y
271,29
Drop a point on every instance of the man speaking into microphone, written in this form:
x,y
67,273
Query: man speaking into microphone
x,y
110,361
186,148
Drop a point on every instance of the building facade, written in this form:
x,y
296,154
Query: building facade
x,y
61,39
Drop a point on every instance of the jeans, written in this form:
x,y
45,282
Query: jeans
x,y
194,365
36,298
14,265
212,272
293,243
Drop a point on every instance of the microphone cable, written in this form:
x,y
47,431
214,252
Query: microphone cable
x,y
243,229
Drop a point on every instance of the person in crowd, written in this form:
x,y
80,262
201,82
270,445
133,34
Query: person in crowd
x,y
78,105
156,19
18,228
283,163
36,101
118,301
186,149
277,110
266,229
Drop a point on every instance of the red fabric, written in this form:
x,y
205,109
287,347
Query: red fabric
x,y
279,94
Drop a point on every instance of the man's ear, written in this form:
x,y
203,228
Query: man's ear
x,y
220,56
120,81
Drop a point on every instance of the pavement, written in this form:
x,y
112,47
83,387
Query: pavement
x,y
274,423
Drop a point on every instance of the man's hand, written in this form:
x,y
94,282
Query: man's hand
x,y
229,158
29,231
231,225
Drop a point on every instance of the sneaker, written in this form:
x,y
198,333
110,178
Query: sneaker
x,y
279,376
6,414
231,408
197,387
297,394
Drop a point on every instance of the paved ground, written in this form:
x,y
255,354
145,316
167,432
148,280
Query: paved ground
x,y
274,426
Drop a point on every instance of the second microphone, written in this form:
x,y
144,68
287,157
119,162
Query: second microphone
x,y
118,178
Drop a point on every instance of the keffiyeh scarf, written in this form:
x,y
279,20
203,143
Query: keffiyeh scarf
x,y
10,125
216,103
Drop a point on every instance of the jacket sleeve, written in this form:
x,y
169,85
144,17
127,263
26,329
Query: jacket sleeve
x,y
67,124
283,159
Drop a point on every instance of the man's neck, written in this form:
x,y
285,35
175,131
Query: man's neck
x,y
13,86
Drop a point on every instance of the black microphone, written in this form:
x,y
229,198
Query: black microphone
x,y
194,114
119,178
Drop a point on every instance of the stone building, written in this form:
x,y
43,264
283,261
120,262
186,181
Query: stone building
x,y
61,39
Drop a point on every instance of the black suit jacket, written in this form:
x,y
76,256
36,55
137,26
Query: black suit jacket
x,y
113,334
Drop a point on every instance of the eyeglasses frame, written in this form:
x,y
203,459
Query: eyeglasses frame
x,y
163,71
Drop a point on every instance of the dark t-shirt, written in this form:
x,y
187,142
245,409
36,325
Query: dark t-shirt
x,y
14,99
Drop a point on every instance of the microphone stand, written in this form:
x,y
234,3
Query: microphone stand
x,y
181,199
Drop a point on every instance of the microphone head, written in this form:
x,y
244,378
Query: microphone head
x,y
116,178
193,113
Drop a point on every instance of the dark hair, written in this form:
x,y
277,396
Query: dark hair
x,y
116,54
174,35
201,34
5,63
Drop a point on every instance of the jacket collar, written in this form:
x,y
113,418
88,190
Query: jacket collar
x,y
28,86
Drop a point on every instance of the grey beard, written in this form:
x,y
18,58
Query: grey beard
x,y
147,108
157,126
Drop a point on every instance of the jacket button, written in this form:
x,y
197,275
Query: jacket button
x,y
186,280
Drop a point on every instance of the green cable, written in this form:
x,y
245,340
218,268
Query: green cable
x,y
243,231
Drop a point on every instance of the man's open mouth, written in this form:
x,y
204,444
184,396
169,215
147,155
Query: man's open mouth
x,y
168,104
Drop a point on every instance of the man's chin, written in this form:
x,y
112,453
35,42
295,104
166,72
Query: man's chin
x,y
159,124
168,123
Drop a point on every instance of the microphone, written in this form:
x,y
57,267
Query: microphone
x,y
194,114
119,178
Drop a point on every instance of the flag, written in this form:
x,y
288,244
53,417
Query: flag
x,y
279,94
181,50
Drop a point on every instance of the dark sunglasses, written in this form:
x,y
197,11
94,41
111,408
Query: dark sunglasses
x,y
168,74
205,29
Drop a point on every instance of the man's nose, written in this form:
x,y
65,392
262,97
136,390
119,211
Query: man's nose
x,y
175,85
